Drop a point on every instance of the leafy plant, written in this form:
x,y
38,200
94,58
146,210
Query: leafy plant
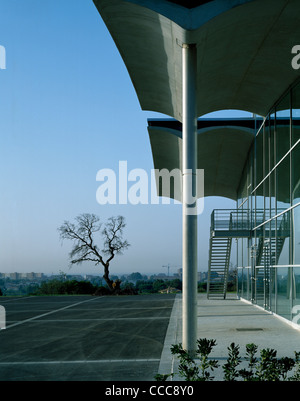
x,y
296,375
266,368
251,350
188,367
204,349
234,359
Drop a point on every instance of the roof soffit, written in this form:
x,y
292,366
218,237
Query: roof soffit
x,y
244,54
222,153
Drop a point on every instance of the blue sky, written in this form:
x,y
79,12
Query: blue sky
x,y
67,110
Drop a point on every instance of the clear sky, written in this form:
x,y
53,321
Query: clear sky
x,y
67,110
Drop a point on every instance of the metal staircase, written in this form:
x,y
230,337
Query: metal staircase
x,y
225,225
262,271
268,254
275,249
219,257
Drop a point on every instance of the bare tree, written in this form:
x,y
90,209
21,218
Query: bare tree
x,y
83,232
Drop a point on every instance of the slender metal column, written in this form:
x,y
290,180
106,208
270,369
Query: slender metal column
x,y
189,229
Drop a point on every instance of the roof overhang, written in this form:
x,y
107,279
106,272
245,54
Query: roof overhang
x,y
223,146
223,150
244,51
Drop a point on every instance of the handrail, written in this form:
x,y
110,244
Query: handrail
x,y
230,219
242,220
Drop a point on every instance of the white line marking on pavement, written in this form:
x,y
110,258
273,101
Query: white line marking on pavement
x,y
93,320
69,362
4,301
51,312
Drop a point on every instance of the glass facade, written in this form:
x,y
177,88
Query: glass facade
x,y
269,261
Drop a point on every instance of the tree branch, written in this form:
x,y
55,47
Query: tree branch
x,y
82,236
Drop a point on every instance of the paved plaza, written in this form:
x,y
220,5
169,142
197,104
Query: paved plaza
x,y
83,337
231,321
125,338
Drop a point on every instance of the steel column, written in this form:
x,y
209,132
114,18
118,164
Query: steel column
x,y
189,169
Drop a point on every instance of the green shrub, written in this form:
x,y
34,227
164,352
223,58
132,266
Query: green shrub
x,y
267,367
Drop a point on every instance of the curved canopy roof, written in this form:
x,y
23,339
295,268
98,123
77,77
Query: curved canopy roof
x,y
189,3
244,50
223,147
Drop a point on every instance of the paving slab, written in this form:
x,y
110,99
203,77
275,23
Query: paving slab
x,y
231,321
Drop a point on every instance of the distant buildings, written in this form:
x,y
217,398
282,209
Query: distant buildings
x,y
201,276
20,276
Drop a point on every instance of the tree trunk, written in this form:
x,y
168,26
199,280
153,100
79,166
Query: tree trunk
x,y
108,281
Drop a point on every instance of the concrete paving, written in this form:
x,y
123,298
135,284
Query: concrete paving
x,y
228,321
80,338
72,338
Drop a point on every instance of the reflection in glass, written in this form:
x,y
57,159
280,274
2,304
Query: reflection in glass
x,y
244,282
296,294
267,198
272,141
239,252
283,307
250,172
295,229
273,290
296,114
245,252
283,109
259,206
283,184
240,282
282,138
266,149
259,157
273,281
296,130
283,239
246,289
243,186
272,195
296,175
